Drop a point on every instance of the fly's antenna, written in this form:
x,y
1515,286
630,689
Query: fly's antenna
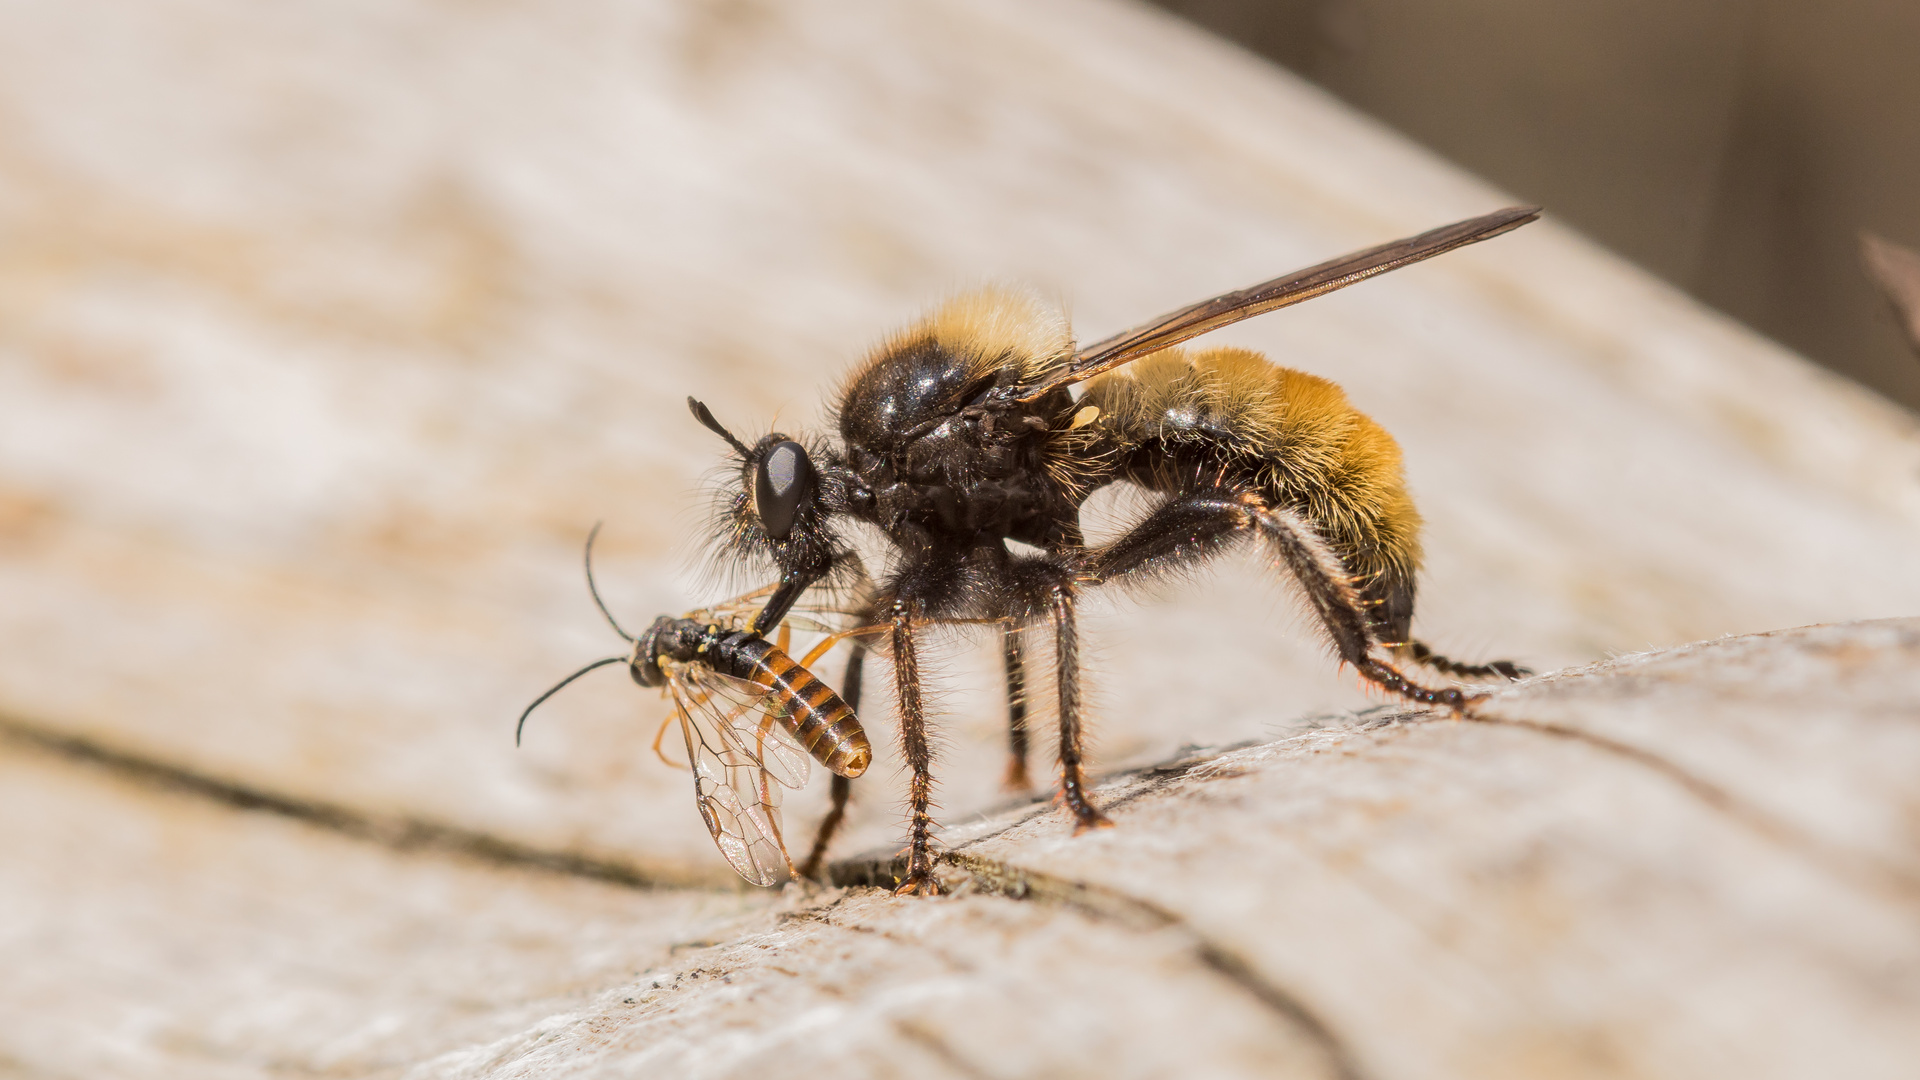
x,y
557,687
705,416
594,590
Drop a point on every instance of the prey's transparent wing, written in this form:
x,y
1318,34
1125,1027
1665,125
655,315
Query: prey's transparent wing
x,y
829,607
822,619
741,756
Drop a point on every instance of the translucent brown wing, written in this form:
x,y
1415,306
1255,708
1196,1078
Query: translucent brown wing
x,y
741,758
1207,315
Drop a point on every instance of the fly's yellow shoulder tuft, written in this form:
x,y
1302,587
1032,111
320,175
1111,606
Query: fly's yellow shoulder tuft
x,y
991,327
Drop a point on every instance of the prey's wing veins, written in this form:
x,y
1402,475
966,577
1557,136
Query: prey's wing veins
x,y
741,759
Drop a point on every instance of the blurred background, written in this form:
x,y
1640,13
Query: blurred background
x,y
1736,148
328,329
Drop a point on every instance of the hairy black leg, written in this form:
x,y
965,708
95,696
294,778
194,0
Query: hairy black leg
x,y
1073,780
842,789
918,752
1506,669
1016,778
1188,528
1330,590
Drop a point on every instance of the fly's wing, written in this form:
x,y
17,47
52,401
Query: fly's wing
x,y
1207,315
741,758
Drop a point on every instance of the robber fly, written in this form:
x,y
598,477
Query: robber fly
x,y
961,434
751,718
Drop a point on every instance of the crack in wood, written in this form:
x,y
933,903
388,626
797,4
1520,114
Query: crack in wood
x,y
993,877
398,832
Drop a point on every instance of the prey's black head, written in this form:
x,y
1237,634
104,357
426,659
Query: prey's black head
x,y
644,662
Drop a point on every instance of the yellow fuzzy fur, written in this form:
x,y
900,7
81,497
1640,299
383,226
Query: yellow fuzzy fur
x,y
1317,452
993,325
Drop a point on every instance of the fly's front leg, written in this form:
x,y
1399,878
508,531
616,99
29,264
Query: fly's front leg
x,y
1016,778
918,751
1073,780
842,789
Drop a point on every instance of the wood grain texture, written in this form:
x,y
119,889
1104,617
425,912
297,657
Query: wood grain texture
x,y
1694,862
327,331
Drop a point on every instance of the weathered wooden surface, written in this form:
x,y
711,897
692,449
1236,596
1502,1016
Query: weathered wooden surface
x,y
326,332
1699,862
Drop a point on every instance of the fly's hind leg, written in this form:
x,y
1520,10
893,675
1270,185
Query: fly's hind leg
x,y
1505,669
1389,600
1190,527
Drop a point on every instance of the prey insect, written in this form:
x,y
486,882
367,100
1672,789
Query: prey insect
x,y
751,717
963,435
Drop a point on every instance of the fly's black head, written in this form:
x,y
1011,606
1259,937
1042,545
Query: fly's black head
x,y
784,484
785,494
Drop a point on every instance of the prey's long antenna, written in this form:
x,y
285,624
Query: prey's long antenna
x,y
594,590
705,416
557,687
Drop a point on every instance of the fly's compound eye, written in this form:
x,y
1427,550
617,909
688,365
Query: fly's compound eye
x,y
782,484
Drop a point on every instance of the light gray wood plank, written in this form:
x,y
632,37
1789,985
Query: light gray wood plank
x,y
1670,865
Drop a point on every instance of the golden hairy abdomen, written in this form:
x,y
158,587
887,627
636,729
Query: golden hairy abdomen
x,y
1292,434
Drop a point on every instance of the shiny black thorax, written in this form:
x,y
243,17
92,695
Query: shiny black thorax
x,y
942,458
947,457
729,652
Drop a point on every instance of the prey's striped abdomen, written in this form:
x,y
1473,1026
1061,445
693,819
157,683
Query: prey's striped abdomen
x,y
812,713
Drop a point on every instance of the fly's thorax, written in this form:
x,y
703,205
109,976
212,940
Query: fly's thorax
x,y
974,341
934,403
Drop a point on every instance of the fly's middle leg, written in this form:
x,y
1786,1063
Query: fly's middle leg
x,y
918,751
1073,780
1016,778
